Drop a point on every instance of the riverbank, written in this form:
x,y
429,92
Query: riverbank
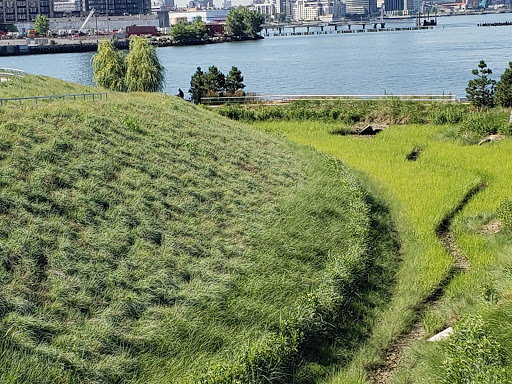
x,y
21,47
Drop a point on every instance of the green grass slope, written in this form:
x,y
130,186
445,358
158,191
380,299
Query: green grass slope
x,y
146,240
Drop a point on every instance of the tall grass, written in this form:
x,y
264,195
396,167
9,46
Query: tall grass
x,y
392,111
420,194
143,239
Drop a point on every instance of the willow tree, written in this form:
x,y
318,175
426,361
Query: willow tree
x,y
109,67
144,73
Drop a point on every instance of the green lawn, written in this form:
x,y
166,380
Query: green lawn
x,y
420,194
146,240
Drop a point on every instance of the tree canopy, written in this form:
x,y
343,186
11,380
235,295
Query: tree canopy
x,y
243,22
139,71
187,31
144,73
234,81
109,67
42,24
214,82
504,88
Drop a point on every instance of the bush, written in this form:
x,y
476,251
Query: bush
x,y
473,355
483,123
504,212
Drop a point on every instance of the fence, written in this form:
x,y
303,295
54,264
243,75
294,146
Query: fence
x,y
284,99
50,99
7,73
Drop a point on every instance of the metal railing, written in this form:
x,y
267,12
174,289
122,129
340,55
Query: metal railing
x,y
7,73
283,99
52,98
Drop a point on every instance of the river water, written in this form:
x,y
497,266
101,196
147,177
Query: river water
x,y
433,61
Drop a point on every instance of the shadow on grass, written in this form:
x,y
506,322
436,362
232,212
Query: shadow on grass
x,y
365,299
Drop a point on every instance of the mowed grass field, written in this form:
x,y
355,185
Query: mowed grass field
x,y
145,240
420,195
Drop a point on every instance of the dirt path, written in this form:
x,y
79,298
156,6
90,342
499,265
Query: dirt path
x,y
394,353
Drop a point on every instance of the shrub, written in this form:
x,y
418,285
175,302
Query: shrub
x,y
483,123
473,355
504,212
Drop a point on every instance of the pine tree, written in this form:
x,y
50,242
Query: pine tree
x,y
214,80
480,91
197,86
234,81
504,88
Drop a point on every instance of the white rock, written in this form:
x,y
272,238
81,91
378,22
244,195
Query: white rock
x,y
442,335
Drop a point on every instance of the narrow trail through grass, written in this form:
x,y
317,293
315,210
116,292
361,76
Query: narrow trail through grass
x,y
394,354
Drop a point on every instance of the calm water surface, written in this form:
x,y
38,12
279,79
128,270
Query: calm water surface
x,y
406,62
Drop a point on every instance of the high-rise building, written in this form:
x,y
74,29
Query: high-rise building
x,y
394,5
361,7
20,11
119,7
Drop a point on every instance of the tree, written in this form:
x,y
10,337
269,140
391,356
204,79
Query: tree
x,y
108,66
187,31
480,91
252,22
234,81
504,88
42,24
214,80
144,73
281,17
180,32
197,87
235,22
199,28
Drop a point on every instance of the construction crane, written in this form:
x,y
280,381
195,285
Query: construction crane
x,y
87,19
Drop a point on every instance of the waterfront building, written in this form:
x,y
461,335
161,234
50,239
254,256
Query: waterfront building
x,y
97,22
301,10
161,5
393,5
305,10
118,7
361,7
67,7
207,15
270,8
20,11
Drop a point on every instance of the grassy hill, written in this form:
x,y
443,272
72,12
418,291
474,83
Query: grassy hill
x,y
146,240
